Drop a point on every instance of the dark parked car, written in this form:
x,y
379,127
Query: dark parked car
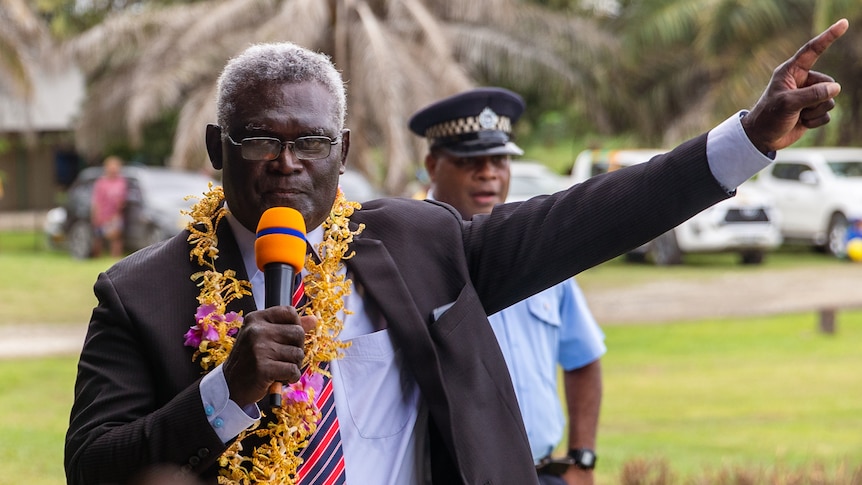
x,y
156,195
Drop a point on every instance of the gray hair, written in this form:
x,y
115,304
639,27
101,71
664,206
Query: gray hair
x,y
276,64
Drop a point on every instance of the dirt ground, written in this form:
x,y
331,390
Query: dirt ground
x,y
765,292
762,293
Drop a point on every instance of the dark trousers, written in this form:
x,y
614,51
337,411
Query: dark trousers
x,y
545,479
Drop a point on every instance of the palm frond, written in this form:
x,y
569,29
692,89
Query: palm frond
x,y
304,18
189,147
24,38
390,93
395,55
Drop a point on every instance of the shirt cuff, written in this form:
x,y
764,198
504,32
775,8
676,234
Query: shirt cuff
x,y
732,157
225,416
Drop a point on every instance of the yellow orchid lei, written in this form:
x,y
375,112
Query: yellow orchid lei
x,y
276,460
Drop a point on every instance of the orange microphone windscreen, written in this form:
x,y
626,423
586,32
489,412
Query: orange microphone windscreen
x,y
280,238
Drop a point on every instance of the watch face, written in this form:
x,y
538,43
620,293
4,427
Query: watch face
x,y
584,458
588,458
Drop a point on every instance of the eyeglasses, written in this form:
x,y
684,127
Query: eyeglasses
x,y
472,164
264,148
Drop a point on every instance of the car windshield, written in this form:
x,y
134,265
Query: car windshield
x,y
533,185
846,169
177,184
528,180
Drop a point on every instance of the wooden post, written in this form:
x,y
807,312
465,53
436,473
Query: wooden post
x,y
827,321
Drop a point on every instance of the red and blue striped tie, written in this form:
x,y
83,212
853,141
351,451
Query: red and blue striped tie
x,y
298,299
323,460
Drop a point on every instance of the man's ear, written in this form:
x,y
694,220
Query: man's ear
x,y
345,147
214,145
430,165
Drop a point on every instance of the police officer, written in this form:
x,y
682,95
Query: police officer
x,y
470,147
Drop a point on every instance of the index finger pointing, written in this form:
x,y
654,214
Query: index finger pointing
x,y
808,54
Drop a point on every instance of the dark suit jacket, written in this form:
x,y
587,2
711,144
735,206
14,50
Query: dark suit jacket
x,y
137,400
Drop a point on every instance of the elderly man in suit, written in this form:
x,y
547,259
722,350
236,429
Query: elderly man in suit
x,y
180,353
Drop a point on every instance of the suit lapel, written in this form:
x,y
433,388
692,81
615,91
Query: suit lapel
x,y
373,268
231,258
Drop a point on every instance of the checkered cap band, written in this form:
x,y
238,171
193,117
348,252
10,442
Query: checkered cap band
x,y
462,126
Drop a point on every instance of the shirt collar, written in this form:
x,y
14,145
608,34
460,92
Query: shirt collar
x,y
245,241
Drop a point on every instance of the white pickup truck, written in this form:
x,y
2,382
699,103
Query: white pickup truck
x,y
745,224
818,191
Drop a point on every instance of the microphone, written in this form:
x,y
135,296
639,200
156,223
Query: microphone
x,y
279,251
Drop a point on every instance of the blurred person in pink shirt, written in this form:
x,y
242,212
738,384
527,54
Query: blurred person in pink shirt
x,y
106,209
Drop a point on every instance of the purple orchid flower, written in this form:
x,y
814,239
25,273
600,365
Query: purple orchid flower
x,y
207,310
207,331
298,391
230,318
197,334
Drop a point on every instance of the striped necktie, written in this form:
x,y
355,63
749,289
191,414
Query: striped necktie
x,y
298,299
323,461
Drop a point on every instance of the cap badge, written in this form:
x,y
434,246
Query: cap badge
x,y
488,119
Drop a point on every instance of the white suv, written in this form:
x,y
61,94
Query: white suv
x,y
745,224
530,178
817,190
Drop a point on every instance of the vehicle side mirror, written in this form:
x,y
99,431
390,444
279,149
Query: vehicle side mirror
x,y
808,177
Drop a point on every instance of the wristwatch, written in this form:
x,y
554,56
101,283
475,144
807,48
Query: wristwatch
x,y
584,458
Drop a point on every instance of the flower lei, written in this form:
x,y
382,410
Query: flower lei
x,y
213,336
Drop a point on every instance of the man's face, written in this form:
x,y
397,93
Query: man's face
x,y
113,166
472,185
285,112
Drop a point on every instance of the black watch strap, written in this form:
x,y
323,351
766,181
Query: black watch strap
x,y
584,458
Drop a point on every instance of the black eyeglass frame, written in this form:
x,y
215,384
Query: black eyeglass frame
x,y
290,144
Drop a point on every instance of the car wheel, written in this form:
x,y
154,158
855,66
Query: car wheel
x,y
664,250
836,235
635,257
80,240
752,257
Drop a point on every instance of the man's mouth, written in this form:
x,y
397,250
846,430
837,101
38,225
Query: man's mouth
x,y
485,197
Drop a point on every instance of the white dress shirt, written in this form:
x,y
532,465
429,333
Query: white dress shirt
x,y
382,420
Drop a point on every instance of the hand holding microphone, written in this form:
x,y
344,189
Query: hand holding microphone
x,y
279,252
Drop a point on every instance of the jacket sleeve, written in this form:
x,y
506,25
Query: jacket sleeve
x,y
545,240
130,410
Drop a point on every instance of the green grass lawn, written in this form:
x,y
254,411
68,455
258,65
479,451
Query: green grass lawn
x,y
751,393
42,286
69,281
618,273
35,399
758,393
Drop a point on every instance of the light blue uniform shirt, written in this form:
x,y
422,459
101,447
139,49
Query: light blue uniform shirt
x,y
552,327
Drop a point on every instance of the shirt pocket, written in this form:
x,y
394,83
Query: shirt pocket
x,y
545,307
382,397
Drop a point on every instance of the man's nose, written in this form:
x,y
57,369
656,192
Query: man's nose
x,y
486,168
287,161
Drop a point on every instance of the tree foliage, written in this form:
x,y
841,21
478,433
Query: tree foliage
x,y
689,64
395,55
67,18
656,72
